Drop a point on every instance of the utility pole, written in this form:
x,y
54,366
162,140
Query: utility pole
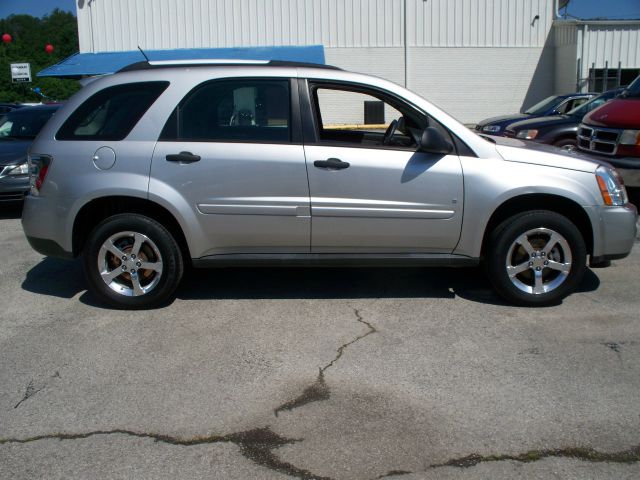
x,y
406,49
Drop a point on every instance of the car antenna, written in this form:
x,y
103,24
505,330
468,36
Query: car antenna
x,y
143,54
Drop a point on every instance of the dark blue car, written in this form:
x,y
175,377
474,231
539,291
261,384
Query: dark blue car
x,y
553,105
18,128
558,130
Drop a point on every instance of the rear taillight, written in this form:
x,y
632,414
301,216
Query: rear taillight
x,y
38,168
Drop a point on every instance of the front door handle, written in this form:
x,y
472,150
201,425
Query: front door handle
x,y
183,157
331,164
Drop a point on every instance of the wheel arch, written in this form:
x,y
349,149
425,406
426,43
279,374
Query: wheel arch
x,y
96,210
541,201
564,136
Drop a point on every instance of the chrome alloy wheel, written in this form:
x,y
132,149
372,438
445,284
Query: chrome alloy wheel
x,y
538,261
130,263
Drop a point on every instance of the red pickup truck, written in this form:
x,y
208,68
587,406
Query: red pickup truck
x,y
611,132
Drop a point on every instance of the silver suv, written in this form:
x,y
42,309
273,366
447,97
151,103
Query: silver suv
x,y
163,165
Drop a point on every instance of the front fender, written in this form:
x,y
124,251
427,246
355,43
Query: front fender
x,y
489,183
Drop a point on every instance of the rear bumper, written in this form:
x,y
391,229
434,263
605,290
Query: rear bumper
x,y
45,225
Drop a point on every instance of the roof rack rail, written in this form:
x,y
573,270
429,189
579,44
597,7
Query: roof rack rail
x,y
228,62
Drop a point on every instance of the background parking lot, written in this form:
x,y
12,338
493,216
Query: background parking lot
x,y
316,373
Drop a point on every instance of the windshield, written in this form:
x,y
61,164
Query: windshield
x,y
592,104
634,89
541,107
24,123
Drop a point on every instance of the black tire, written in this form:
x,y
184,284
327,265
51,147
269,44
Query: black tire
x,y
505,247
565,143
155,241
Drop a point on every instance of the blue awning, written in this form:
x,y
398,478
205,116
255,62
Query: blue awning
x,y
83,64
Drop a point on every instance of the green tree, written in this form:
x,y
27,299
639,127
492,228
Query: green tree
x,y
30,35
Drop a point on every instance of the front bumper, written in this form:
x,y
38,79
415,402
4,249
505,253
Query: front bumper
x,y
13,188
614,232
48,248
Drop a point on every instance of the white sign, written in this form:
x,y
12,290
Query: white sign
x,y
20,72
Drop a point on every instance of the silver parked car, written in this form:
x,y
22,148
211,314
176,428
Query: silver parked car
x,y
266,163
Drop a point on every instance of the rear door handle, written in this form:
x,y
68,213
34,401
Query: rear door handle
x,y
331,164
183,157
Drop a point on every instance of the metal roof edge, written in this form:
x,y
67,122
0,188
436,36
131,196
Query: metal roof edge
x,y
596,22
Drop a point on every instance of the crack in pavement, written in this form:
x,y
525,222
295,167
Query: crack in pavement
x,y
393,473
316,392
343,347
257,445
29,392
632,455
319,390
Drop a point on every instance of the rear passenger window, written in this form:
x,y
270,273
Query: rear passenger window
x,y
111,113
233,110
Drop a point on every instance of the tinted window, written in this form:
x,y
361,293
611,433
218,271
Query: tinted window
x,y
25,122
111,113
233,110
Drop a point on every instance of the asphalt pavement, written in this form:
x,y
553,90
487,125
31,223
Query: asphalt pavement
x,y
316,373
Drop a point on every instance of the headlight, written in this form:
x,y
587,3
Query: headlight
x,y
611,186
630,137
527,134
21,169
491,128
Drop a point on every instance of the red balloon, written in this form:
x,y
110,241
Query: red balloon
x,y
48,48
6,38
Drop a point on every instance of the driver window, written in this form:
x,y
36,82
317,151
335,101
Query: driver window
x,y
362,119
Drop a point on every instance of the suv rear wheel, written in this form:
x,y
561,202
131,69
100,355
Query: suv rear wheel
x,y
536,258
131,261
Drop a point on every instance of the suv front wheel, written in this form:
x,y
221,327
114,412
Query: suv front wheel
x,y
131,261
536,258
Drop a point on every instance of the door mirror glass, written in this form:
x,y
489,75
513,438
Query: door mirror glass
x,y
432,141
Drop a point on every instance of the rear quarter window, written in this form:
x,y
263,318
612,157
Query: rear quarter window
x,y
111,114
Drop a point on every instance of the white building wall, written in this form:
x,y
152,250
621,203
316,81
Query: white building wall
x,y
475,83
612,42
566,61
469,83
387,63
587,44
599,42
116,25
474,58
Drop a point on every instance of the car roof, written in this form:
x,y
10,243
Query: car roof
x,y
577,94
45,107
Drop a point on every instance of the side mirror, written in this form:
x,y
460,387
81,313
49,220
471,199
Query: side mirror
x,y
432,141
